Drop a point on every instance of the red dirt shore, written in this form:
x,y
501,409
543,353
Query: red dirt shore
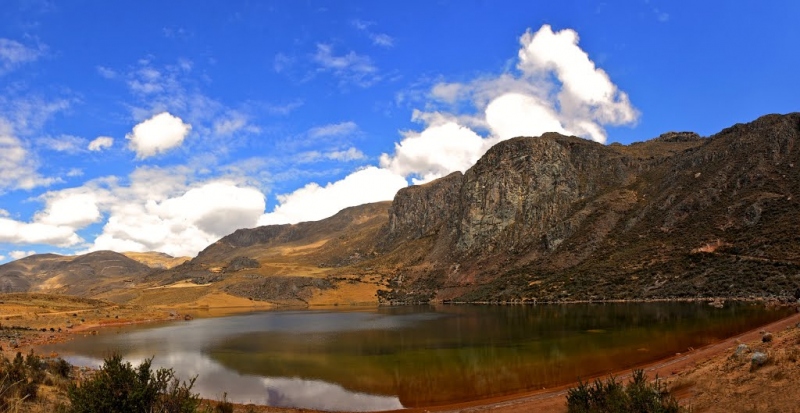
x,y
554,399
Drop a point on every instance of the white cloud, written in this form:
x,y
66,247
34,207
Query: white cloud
x,y
16,232
285,109
334,129
156,135
503,116
231,123
378,39
159,211
587,97
63,143
100,143
314,202
351,154
350,68
2,257
106,72
435,152
17,255
73,172
14,54
555,88
17,166
74,208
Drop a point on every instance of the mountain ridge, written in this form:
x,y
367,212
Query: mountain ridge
x,y
549,218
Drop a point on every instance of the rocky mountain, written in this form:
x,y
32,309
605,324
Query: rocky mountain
x,y
562,218
547,218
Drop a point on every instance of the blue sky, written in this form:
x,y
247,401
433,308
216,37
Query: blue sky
x,y
152,125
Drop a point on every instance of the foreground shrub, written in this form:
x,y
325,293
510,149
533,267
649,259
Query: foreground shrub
x,y
20,379
118,387
610,396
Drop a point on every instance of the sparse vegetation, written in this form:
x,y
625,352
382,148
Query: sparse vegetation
x,y
611,396
119,387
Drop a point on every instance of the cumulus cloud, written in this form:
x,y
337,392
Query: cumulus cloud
x,y
314,202
74,208
435,152
587,98
17,255
65,212
100,143
16,232
161,210
156,135
555,88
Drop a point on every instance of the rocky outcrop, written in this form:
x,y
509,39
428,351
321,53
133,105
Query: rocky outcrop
x,y
571,209
423,210
521,195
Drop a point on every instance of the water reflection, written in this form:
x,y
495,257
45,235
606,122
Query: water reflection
x,y
246,388
415,356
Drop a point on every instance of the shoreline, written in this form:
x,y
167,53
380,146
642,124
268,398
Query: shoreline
x,y
555,397
549,399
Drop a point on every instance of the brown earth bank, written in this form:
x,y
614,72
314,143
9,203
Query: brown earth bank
x,y
717,378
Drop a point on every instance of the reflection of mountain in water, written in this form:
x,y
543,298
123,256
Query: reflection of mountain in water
x,y
214,378
415,356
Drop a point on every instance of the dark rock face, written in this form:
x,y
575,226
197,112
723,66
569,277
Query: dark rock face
x,y
419,211
521,192
241,263
520,195
570,209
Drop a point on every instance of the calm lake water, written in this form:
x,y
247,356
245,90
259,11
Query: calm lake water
x,y
388,358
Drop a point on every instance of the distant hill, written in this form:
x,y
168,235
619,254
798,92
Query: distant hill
x,y
84,275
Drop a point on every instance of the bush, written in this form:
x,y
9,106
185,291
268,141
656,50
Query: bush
x,y
20,379
611,397
118,387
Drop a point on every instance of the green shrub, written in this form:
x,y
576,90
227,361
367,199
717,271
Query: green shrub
x,y
611,397
118,387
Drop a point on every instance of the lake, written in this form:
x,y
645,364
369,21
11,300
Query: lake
x,y
393,357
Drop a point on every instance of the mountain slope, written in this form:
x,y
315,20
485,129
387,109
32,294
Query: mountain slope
x,y
562,218
536,218
84,275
